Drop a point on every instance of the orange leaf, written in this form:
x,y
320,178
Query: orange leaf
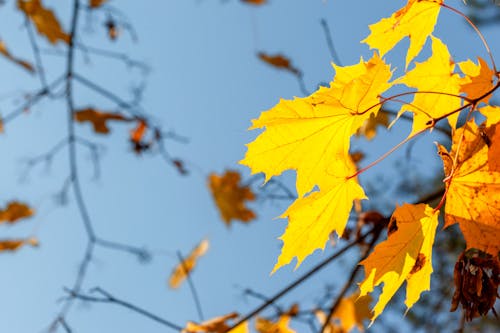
x,y
263,325
473,188
14,212
98,118
215,325
255,2
96,3
478,79
137,134
351,312
26,65
278,61
230,196
44,20
183,269
15,244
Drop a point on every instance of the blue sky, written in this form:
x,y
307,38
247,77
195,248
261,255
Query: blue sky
x,y
205,84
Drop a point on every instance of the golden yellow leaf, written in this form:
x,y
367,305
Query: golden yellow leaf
x,y
15,244
230,196
433,75
278,61
263,325
184,268
312,219
215,325
351,312
416,20
492,114
98,119
308,134
44,20
473,189
405,255
15,211
478,79
5,52
96,3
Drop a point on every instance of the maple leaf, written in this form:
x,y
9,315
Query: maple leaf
x,y
473,188
416,20
492,114
278,61
230,196
216,325
15,244
433,75
184,268
405,255
98,119
14,212
312,219
96,3
479,79
44,20
5,52
308,134
351,312
263,325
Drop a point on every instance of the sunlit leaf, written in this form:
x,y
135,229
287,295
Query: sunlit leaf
x,y
215,325
184,268
478,79
263,325
406,255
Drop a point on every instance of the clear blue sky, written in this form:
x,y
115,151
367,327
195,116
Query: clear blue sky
x,y
206,84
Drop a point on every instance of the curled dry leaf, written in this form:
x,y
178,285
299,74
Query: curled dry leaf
x,y
184,268
5,52
44,20
278,61
230,196
15,244
263,325
15,211
98,119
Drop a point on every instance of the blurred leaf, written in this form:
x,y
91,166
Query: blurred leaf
x,y
215,325
184,268
98,119
14,212
15,244
279,61
263,325
26,65
96,3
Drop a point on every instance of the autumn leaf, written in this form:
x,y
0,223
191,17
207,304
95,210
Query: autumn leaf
x,y
98,119
184,268
312,219
433,75
255,2
137,134
14,212
351,312
473,188
478,80
279,61
369,128
96,3
307,134
230,196
215,325
16,244
263,325
416,20
492,114
405,255
44,20
331,327
5,52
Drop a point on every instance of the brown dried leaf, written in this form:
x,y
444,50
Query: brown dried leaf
x,y
96,3
44,20
279,61
183,269
230,196
5,52
14,212
15,244
98,118
215,325
255,2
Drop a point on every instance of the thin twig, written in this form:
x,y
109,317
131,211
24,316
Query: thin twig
x,y
194,292
329,42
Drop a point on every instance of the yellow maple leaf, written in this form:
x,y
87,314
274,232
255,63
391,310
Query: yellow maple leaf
x,y
15,211
44,20
184,268
307,134
473,189
416,20
405,255
263,325
433,75
352,310
5,52
230,196
216,325
98,119
478,80
312,219
492,114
